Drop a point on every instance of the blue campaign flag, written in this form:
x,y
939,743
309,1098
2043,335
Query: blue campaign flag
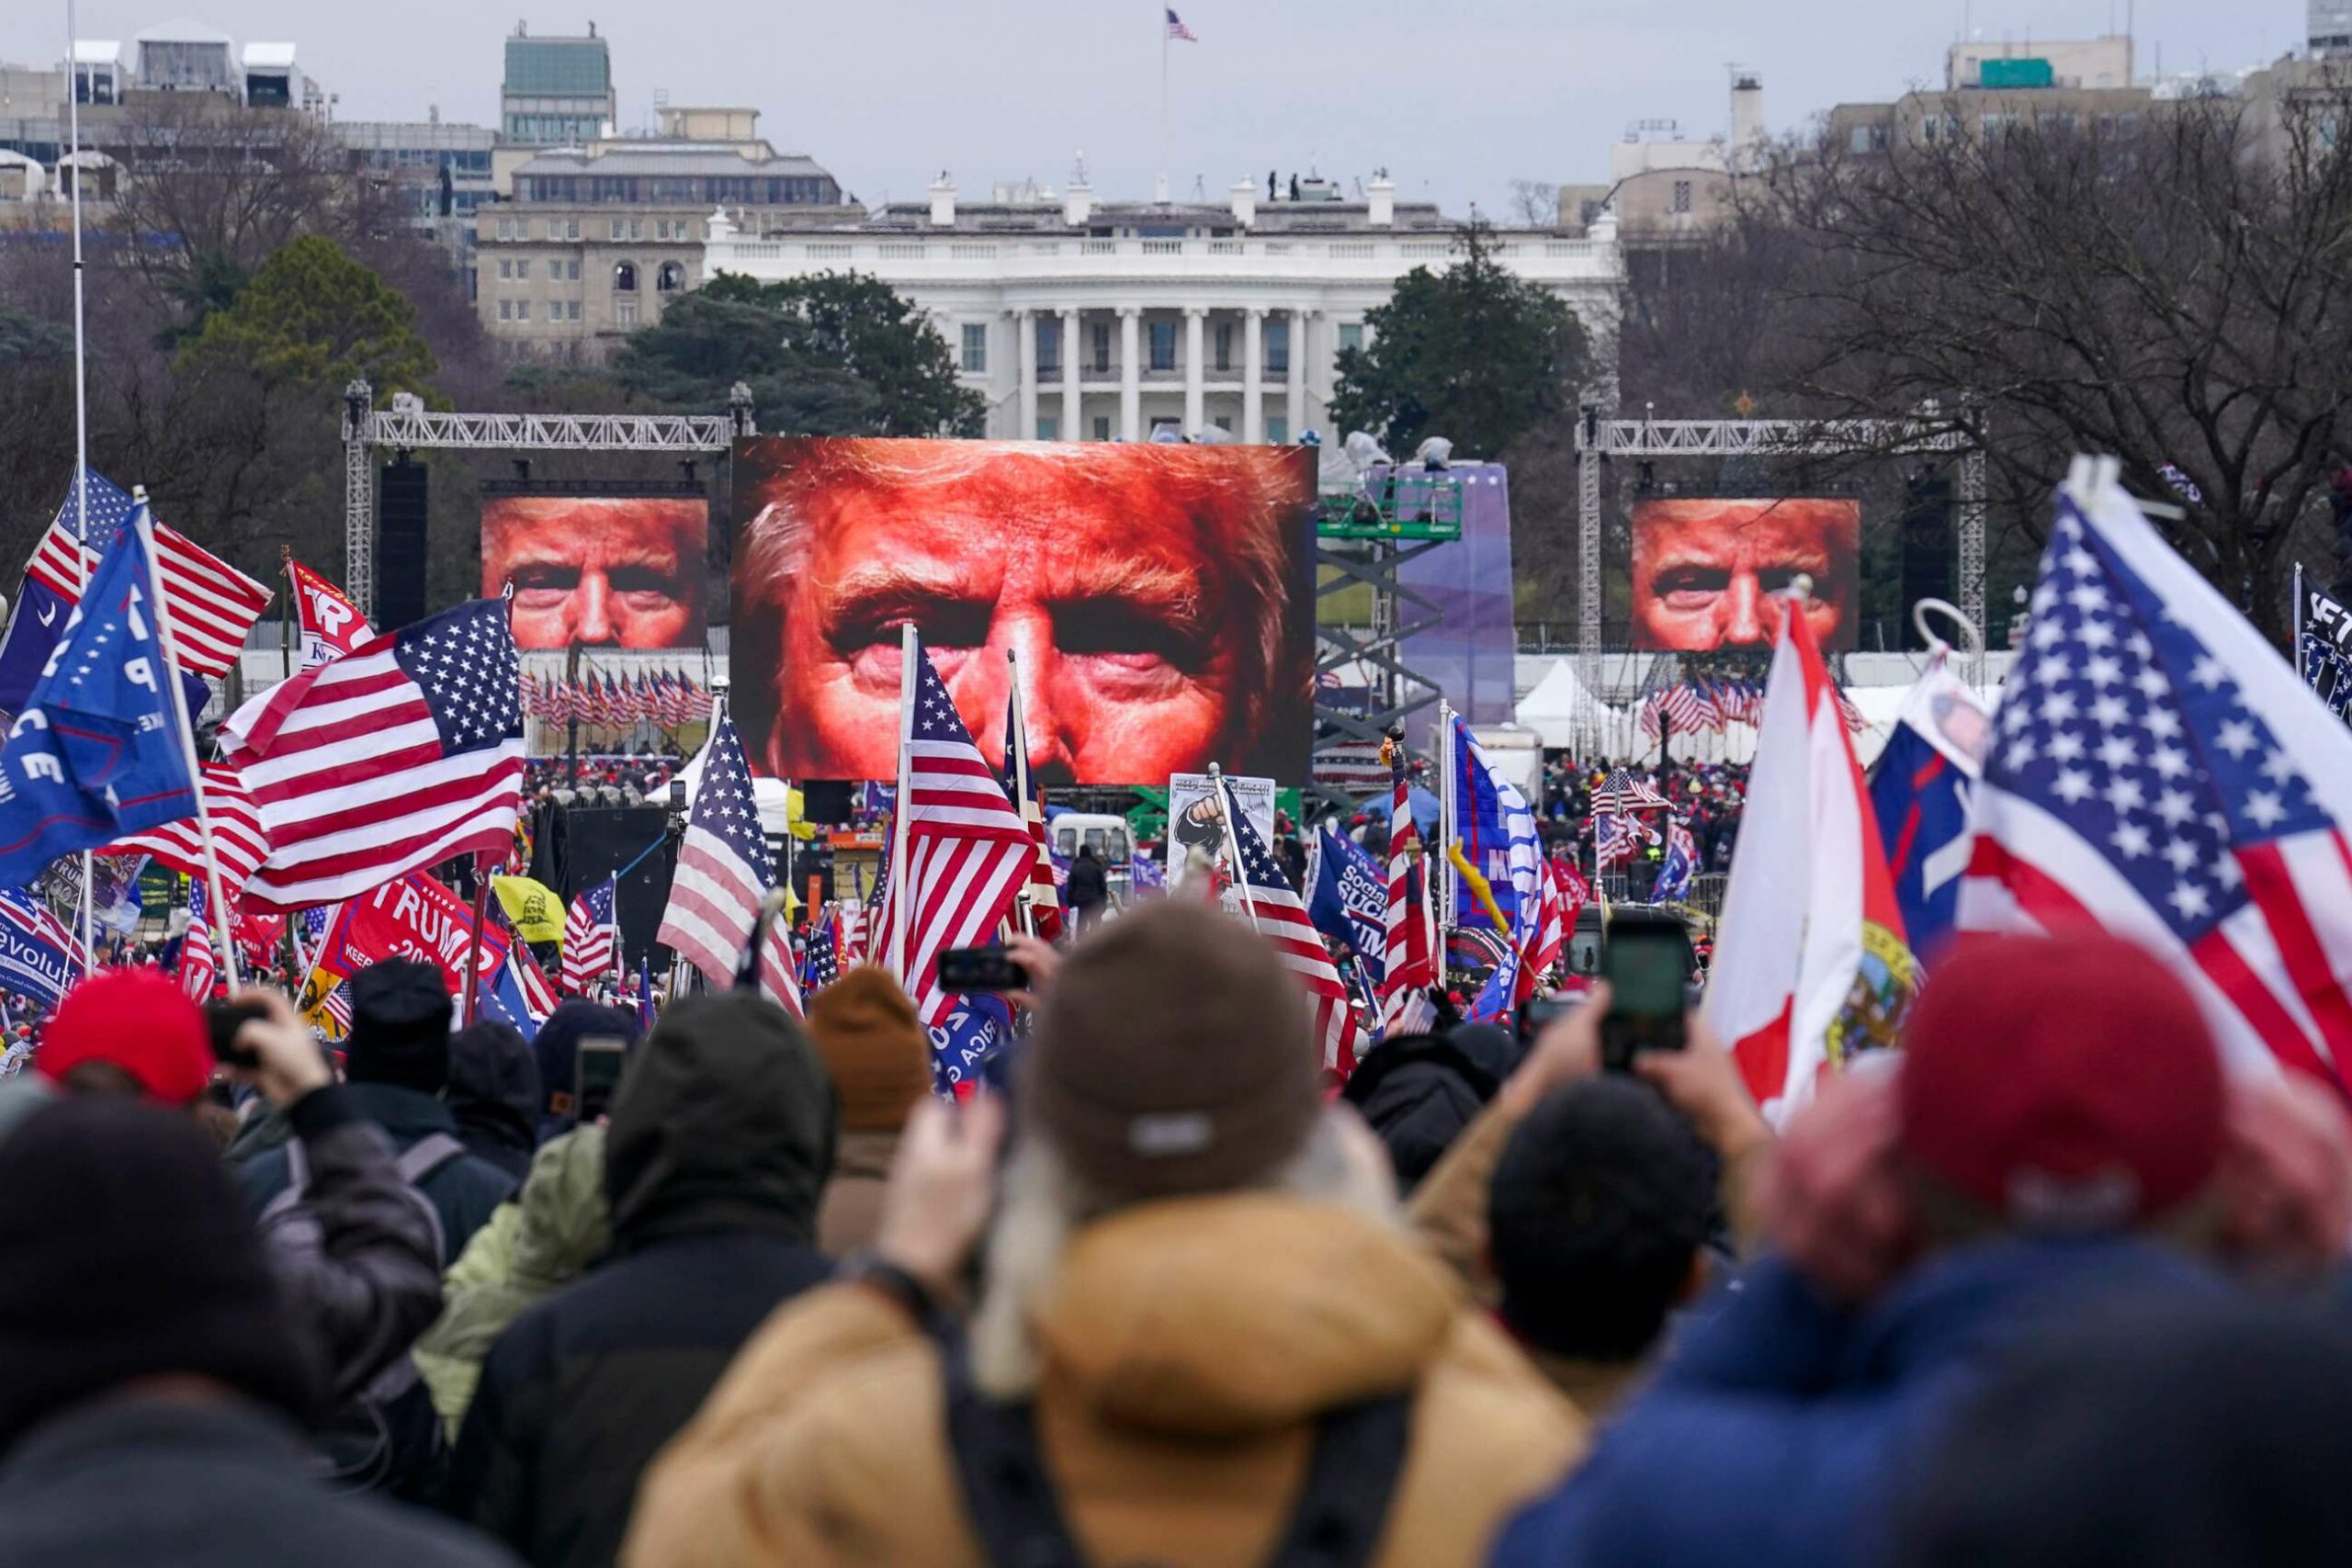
x,y
1347,900
38,954
97,753
32,636
1919,793
44,605
978,1026
501,1001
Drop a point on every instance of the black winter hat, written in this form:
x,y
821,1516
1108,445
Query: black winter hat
x,y
129,1256
724,1121
399,1026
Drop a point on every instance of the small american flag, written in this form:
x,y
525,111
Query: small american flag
x,y
1282,920
402,753
724,873
823,966
589,937
2158,769
1178,32
1620,791
1041,894
239,839
539,996
1410,970
213,604
968,852
199,962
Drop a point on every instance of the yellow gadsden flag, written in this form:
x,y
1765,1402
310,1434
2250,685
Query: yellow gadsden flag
x,y
533,908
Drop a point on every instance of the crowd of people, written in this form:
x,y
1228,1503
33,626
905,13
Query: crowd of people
x,y
2050,1283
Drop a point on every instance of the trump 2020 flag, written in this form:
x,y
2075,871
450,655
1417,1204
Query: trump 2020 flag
x,y
2158,769
1812,965
98,752
1921,791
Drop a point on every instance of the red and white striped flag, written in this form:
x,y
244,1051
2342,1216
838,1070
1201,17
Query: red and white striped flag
x,y
538,994
199,962
213,604
238,837
402,753
724,873
1409,971
1272,906
968,852
589,932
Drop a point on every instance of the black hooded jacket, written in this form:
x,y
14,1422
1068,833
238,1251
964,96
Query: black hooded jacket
x,y
721,1135
494,1096
1418,1092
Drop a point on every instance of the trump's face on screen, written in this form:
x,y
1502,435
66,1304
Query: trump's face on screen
x,y
1147,591
623,572
1705,570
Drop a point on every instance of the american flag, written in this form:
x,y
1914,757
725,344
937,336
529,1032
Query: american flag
x,y
199,962
239,839
402,753
1178,32
1682,704
336,1004
723,874
537,995
589,933
1350,768
822,966
1711,712
1282,920
968,850
1408,969
2158,769
1623,792
1041,895
1618,837
212,604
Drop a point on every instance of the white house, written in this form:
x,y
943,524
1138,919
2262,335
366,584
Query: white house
x,y
1079,321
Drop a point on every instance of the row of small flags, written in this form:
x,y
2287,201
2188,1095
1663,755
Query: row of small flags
x,y
666,699
1699,704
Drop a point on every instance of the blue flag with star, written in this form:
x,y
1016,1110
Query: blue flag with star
x,y
97,753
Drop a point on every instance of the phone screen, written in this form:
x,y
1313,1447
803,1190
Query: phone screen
x,y
1647,965
980,969
596,1066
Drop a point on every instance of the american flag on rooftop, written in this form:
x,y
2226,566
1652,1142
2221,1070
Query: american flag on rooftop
x,y
2158,769
1177,29
402,753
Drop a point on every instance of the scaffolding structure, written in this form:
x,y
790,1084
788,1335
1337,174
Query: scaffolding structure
x,y
409,426
1367,536
1598,439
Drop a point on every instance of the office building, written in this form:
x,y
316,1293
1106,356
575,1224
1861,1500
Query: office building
x,y
558,92
1083,320
596,240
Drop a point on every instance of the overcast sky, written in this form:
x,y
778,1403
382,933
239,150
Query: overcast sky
x,y
1456,99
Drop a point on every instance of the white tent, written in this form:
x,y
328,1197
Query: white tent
x,y
1558,705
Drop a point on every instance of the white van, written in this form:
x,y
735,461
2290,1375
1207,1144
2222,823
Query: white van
x,y
1110,839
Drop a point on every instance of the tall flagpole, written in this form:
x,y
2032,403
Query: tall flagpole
x,y
1229,806
82,419
170,674
1160,10
1019,743
909,647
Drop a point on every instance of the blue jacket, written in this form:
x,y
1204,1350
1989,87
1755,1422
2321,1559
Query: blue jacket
x,y
1782,1431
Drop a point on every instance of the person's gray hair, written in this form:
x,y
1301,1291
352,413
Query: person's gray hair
x,y
1041,1204
1247,496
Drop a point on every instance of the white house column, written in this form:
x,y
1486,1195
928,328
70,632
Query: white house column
x,y
1071,431
1024,326
1195,395
1296,389
1253,366
1130,373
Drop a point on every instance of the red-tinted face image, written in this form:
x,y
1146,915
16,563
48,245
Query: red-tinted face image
x,y
612,572
1704,570
1157,598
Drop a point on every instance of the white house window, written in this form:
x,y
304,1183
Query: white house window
x,y
1682,195
506,309
1350,336
975,347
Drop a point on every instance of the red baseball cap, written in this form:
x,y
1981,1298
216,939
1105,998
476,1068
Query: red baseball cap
x,y
2067,1082
140,1020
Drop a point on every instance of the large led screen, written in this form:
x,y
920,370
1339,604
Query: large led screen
x,y
1160,600
1704,569
608,572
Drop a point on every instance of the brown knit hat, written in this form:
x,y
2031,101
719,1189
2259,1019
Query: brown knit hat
x,y
1173,1055
873,1049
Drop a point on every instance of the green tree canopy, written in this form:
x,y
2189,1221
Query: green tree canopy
x,y
837,353
310,316
1473,354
